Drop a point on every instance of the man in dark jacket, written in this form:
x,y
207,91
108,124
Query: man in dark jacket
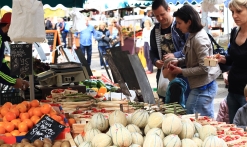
x,y
166,40
5,77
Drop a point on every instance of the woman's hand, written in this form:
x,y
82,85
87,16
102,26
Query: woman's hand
x,y
225,77
174,69
221,58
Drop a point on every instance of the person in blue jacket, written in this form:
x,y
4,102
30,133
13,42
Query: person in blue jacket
x,y
5,77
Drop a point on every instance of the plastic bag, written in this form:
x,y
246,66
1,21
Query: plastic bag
x,y
162,85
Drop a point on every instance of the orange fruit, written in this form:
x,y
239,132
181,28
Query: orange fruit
x,y
62,122
26,103
28,122
7,105
16,122
22,108
13,106
34,103
55,118
2,130
24,116
59,118
45,109
71,121
22,133
4,119
37,112
30,111
15,133
1,115
34,119
22,127
8,134
9,127
10,116
16,111
2,124
4,111
53,112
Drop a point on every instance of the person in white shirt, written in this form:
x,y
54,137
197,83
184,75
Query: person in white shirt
x,y
146,39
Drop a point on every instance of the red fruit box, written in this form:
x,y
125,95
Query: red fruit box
x,y
226,127
241,144
231,139
204,120
235,131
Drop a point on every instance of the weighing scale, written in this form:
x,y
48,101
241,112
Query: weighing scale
x,y
63,73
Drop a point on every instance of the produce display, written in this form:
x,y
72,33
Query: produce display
x,y
18,119
154,129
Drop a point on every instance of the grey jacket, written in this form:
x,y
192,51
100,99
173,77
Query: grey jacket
x,y
197,47
240,118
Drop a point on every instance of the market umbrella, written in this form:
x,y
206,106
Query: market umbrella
x,y
52,3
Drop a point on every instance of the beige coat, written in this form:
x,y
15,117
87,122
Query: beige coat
x,y
197,47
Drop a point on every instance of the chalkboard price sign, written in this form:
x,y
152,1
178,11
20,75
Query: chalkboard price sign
x,y
45,128
50,38
21,59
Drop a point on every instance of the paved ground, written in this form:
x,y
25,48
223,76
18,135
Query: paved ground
x,y
222,91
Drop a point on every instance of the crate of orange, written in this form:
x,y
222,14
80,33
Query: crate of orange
x,y
18,119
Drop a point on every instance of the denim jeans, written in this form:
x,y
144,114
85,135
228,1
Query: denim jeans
x,y
87,49
201,101
234,102
64,36
102,50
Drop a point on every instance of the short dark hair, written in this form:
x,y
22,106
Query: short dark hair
x,y
187,13
145,13
157,3
3,25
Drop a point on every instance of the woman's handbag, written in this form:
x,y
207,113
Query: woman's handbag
x,y
219,49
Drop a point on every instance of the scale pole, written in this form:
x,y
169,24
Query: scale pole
x,y
31,85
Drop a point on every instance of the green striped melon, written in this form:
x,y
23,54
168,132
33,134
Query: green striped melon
x,y
99,122
212,141
86,144
157,131
155,120
122,137
153,140
137,138
135,145
133,128
113,128
88,127
187,131
90,134
206,131
190,122
172,125
197,126
117,117
140,118
198,141
146,129
188,143
101,140
172,141
78,139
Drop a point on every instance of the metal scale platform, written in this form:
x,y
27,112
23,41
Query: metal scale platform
x,y
63,73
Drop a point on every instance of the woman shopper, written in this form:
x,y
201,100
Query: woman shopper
x,y
237,53
146,39
102,36
201,78
116,32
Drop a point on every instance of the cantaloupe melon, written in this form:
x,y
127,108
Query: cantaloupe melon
x,y
212,141
86,144
188,143
90,134
190,122
153,140
157,131
133,128
78,139
206,131
88,127
99,122
101,140
140,118
187,131
197,126
155,120
137,138
135,145
198,141
117,117
122,137
146,129
172,141
128,117
172,125
113,128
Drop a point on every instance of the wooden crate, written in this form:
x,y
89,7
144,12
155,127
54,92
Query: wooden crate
x,y
78,128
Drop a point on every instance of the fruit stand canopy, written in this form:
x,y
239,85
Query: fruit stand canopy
x,y
52,3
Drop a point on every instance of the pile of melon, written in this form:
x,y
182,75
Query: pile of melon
x,y
146,130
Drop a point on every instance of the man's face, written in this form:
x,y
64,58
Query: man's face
x,y
163,16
